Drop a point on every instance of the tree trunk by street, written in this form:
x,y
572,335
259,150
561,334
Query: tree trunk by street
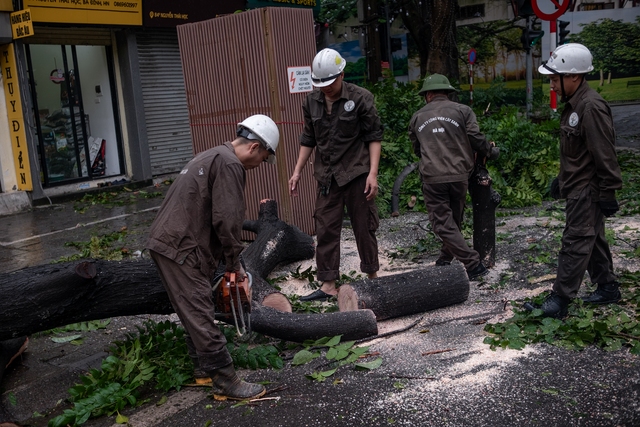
x,y
432,27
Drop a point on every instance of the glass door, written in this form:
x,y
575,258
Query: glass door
x,y
59,77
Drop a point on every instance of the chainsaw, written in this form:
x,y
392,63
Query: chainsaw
x,y
233,300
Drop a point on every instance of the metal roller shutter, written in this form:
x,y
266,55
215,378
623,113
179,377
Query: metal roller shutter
x,y
69,36
165,101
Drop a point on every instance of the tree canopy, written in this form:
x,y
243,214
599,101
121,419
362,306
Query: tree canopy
x,y
615,45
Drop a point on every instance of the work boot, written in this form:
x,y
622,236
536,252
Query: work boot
x,y
440,262
227,385
605,294
554,305
201,378
477,271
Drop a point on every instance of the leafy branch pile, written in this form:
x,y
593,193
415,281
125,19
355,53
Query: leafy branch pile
x,y
610,327
110,246
155,358
337,354
110,199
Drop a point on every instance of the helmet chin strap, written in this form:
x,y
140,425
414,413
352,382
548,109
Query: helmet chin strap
x,y
563,97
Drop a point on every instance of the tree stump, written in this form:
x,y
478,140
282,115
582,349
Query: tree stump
x,y
406,293
485,200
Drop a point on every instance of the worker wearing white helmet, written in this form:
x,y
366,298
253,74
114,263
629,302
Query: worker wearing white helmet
x,y
588,179
342,125
199,226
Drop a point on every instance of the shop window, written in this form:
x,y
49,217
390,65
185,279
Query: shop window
x,y
76,130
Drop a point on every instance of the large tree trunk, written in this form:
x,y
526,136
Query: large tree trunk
x,y
48,296
406,293
443,53
432,26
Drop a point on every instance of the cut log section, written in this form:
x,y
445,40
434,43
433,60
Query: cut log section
x,y
295,327
406,293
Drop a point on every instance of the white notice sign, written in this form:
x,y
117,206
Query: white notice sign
x,y
299,79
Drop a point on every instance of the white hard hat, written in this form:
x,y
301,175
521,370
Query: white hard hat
x,y
264,129
327,66
570,58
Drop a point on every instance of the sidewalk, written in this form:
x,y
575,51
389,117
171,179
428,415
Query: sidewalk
x,y
436,373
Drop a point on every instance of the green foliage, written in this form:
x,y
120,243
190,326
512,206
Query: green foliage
x,y
110,199
333,12
630,166
157,357
337,354
100,247
396,103
614,45
610,327
529,156
256,357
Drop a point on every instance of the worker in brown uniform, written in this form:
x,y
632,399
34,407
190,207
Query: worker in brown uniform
x,y
588,179
341,123
197,227
445,135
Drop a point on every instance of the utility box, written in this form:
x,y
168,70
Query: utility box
x,y
238,65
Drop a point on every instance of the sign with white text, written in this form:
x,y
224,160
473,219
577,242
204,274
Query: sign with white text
x,y
299,79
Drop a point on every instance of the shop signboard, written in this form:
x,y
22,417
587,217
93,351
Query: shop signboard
x,y
305,4
98,12
21,24
169,13
9,72
6,6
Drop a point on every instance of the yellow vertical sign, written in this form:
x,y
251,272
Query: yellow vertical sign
x,y
9,71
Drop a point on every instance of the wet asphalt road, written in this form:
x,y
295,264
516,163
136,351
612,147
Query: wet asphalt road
x,y
626,120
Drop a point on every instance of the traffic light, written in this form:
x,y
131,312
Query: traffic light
x,y
530,37
562,32
522,7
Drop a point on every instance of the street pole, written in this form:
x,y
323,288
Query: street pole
x,y
553,100
529,77
470,84
386,13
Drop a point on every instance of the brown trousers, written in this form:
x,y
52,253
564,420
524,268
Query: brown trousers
x,y
584,247
329,215
445,205
190,294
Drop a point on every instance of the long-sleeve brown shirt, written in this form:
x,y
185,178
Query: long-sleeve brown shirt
x,y
342,137
203,211
444,135
587,147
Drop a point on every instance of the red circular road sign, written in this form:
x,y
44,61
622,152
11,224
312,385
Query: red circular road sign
x,y
472,56
560,9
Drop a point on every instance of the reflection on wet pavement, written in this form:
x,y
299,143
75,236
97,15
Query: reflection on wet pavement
x,y
40,235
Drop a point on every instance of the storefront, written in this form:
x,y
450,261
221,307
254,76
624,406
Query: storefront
x,y
72,84
101,96
65,66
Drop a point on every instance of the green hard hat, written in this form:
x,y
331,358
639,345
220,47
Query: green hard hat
x,y
436,82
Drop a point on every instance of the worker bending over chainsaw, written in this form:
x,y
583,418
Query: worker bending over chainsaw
x,y
198,226
342,125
